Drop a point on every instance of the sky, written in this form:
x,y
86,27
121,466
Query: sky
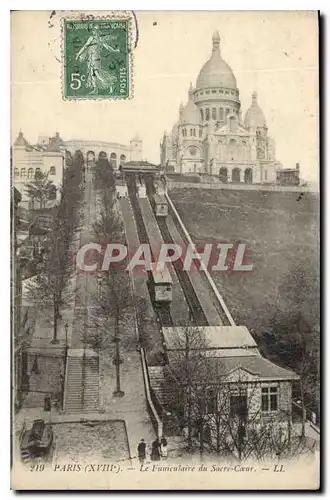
x,y
273,53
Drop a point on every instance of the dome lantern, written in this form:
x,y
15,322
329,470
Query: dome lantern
x,y
215,41
254,116
216,73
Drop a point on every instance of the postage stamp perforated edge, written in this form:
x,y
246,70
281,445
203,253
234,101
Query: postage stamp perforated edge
x,y
110,16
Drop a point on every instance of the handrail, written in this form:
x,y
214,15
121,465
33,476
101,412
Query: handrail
x,y
172,184
208,276
143,359
149,400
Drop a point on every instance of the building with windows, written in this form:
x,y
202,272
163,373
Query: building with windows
x,y
228,374
48,157
28,161
211,136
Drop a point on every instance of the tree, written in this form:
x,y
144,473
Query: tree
x,y
108,223
186,361
41,189
224,410
111,301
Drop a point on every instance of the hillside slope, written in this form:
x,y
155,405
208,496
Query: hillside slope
x,y
282,234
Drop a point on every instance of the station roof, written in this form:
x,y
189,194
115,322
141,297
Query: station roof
x,y
139,166
216,337
257,366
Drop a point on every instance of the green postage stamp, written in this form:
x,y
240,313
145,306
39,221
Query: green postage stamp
x,y
97,58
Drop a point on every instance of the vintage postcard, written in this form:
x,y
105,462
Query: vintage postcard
x,y
165,250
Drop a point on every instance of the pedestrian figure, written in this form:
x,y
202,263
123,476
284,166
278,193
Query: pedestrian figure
x,y
155,450
163,447
142,451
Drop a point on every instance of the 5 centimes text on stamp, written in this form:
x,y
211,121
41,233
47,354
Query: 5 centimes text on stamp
x,y
96,58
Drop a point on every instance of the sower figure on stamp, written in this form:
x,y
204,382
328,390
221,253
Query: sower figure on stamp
x,y
97,77
142,451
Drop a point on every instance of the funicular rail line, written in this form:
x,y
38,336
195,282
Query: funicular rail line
x,y
197,315
222,311
162,310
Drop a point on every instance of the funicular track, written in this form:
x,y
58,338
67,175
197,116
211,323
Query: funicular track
x,y
162,311
225,319
197,315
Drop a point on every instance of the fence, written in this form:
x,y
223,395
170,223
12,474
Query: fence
x,y
247,187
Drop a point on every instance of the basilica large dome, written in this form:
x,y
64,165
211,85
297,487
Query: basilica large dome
x,y
216,72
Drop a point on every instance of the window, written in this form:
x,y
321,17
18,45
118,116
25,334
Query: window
x,y
221,114
16,172
269,399
227,111
30,173
266,174
193,150
23,173
194,132
200,132
38,173
52,170
207,114
202,115
214,114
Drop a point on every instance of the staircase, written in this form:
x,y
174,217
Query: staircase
x,y
74,384
90,399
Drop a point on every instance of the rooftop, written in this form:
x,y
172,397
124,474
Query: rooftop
x,y
255,365
216,337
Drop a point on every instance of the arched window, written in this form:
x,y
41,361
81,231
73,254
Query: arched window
x,y
113,160
202,115
232,149
37,173
233,124
214,114
122,159
227,112
52,170
244,151
266,175
248,176
223,175
221,151
207,114
90,157
16,172
200,131
23,173
30,173
221,114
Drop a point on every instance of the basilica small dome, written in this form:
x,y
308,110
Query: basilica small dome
x,y
190,113
254,116
216,72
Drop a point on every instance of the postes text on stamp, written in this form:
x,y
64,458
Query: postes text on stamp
x,y
96,59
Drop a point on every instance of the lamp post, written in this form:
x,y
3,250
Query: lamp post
x,y
117,361
66,328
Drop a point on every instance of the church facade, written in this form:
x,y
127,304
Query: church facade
x,y
210,135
